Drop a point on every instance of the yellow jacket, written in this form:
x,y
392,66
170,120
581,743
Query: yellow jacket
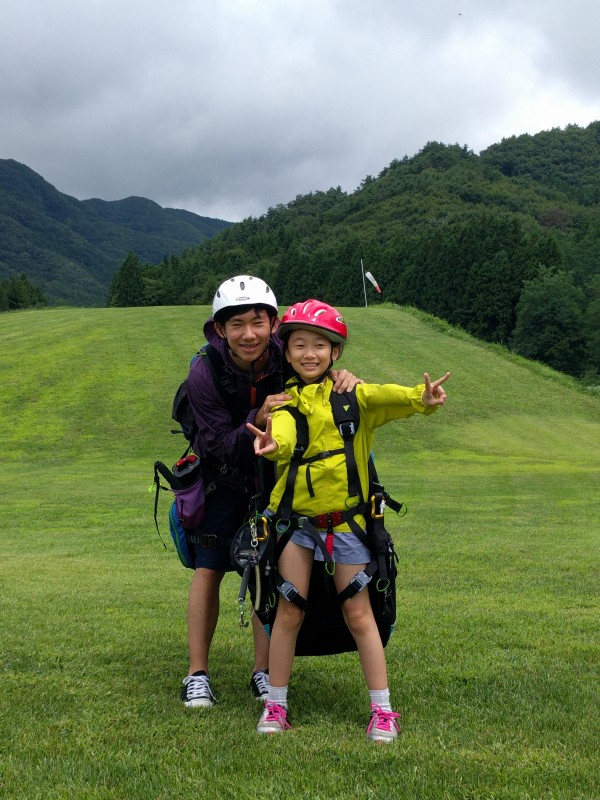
x,y
378,404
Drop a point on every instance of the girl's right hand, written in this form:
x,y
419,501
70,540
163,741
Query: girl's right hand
x,y
263,442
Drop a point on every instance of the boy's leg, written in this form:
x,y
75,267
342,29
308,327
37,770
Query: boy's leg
x,y
261,645
203,615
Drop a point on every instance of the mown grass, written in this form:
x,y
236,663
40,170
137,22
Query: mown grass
x,y
494,662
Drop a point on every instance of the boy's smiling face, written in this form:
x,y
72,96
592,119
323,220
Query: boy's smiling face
x,y
247,335
310,354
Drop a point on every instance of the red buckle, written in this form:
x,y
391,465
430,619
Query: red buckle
x,y
335,518
191,459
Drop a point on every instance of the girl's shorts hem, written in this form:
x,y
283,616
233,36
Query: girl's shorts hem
x,y
347,548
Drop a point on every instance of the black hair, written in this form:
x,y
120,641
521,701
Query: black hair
x,y
223,315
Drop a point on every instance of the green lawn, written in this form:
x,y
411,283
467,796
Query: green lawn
x,y
494,661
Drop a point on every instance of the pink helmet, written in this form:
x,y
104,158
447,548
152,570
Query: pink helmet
x,y
317,316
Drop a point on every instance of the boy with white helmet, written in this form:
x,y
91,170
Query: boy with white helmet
x,y
242,331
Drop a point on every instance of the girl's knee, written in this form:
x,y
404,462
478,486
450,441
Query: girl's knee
x,y
288,614
358,615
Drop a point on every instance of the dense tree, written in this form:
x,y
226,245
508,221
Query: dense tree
x,y
549,322
591,330
127,287
460,236
17,292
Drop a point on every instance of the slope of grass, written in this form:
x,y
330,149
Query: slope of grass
x,y
494,660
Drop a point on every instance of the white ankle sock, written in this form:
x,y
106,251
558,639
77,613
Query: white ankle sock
x,y
381,698
278,694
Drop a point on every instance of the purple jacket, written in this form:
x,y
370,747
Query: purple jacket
x,y
219,435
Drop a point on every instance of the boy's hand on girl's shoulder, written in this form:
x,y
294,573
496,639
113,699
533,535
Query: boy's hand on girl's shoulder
x,y
434,394
265,411
344,381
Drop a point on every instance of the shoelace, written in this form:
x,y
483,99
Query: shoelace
x,y
261,681
382,720
198,687
278,714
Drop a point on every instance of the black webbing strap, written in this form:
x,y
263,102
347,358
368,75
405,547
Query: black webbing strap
x,y
346,417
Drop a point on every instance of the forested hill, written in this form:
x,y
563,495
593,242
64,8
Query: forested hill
x,y
505,244
71,248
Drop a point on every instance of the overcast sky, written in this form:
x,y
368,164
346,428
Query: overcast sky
x,y
229,107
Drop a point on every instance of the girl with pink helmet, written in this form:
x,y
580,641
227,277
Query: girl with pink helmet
x,y
314,335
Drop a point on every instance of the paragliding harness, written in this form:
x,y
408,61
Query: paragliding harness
x,y
259,543
191,478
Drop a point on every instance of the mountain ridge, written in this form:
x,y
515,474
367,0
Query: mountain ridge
x,y
71,248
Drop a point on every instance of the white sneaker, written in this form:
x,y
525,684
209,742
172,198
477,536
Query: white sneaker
x,y
273,719
196,691
382,726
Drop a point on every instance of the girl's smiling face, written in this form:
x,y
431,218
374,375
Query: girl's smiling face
x,y
310,354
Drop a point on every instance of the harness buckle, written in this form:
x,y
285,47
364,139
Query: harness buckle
x,y
347,429
288,591
360,580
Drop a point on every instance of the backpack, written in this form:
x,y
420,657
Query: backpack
x,y
187,478
323,631
182,411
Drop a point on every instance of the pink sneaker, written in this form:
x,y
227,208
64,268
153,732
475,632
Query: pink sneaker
x,y
273,719
382,726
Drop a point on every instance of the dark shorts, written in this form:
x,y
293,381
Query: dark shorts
x,y
225,512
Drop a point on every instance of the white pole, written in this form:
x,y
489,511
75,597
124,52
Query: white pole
x,y
363,277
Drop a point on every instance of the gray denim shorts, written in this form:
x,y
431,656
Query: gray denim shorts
x,y
347,548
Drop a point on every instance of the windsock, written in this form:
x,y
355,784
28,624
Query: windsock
x,y
373,281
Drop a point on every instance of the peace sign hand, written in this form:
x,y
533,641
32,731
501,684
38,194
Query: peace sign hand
x,y
434,394
264,442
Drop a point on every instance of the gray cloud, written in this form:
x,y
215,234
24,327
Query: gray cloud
x,y
227,108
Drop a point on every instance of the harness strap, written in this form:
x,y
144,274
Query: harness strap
x,y
285,587
291,594
358,582
346,418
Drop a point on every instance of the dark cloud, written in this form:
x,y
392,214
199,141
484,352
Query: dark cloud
x,y
227,108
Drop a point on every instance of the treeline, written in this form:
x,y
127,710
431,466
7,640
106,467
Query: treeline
x,y
505,245
17,292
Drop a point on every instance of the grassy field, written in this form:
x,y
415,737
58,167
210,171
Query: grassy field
x,y
494,662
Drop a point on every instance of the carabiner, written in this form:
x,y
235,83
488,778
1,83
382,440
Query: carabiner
x,y
374,513
265,530
282,525
241,607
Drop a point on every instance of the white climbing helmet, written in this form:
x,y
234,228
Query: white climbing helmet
x,y
243,290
